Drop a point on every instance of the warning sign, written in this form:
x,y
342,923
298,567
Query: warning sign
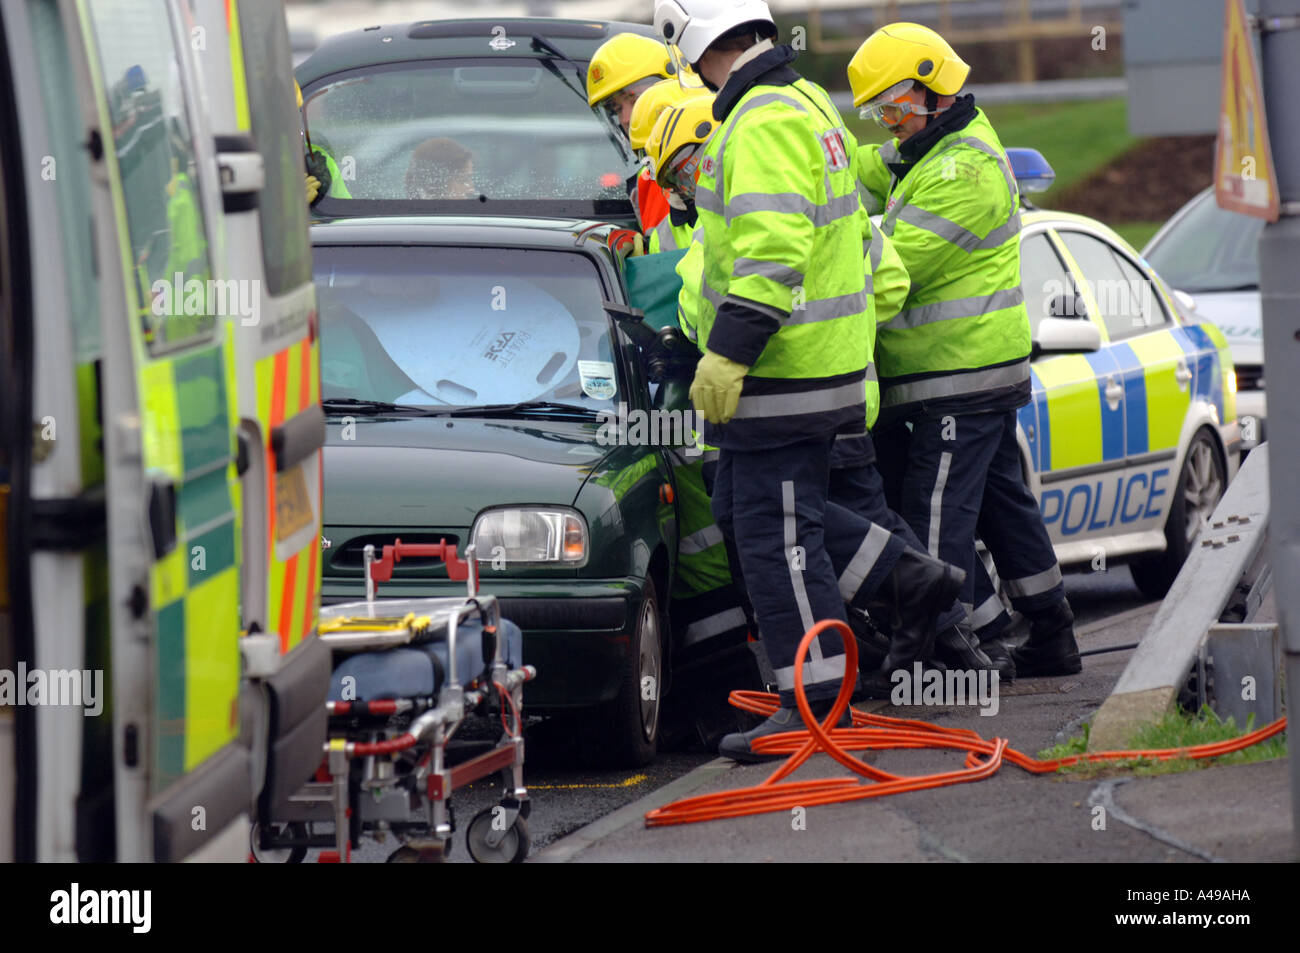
x,y
1244,178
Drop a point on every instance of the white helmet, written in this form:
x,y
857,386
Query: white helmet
x,y
693,25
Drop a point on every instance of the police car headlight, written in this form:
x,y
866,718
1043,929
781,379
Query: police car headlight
x,y
527,535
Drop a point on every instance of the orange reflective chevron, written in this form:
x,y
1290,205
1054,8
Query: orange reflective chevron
x,y
294,386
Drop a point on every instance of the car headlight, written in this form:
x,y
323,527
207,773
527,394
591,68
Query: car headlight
x,y
530,535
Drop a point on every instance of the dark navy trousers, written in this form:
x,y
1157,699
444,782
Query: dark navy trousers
x,y
801,558
953,476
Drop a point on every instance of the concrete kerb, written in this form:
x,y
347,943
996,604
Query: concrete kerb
x,y
1160,666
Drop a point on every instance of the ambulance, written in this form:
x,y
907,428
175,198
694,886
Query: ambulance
x,y
161,686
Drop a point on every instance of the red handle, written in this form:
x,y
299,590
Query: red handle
x,y
381,570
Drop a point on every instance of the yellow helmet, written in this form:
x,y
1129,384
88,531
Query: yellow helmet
x,y
675,145
298,89
901,52
625,59
651,104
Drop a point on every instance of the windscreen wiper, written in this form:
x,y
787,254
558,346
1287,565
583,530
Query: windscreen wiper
x,y
545,46
361,405
522,408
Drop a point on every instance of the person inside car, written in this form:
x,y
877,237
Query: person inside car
x,y
441,168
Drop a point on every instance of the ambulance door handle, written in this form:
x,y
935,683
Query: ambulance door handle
x,y
162,516
1114,392
1183,374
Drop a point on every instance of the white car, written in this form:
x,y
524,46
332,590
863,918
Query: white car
x,y
1213,255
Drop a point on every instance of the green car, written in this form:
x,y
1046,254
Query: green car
x,y
470,368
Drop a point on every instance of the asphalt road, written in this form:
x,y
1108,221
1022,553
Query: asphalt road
x,y
567,794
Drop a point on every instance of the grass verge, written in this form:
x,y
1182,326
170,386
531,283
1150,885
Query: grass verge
x,y
1178,729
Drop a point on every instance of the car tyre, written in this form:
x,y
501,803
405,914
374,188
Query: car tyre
x,y
1201,484
630,723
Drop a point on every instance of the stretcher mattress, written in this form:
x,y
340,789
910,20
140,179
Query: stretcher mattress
x,y
420,669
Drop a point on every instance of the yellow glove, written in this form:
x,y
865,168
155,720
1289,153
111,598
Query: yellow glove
x,y
313,187
715,392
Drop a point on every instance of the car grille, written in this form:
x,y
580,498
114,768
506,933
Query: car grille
x,y
1250,377
347,558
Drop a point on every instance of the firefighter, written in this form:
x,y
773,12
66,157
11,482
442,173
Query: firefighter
x,y
622,68
954,363
322,175
672,232
784,371
856,484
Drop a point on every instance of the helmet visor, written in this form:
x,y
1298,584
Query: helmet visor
x,y
683,170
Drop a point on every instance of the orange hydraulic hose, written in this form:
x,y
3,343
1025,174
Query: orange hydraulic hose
x,y
879,732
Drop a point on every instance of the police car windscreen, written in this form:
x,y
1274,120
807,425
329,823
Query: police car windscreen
x,y
460,130
454,326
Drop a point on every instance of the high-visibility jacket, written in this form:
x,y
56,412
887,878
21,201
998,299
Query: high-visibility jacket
x,y
882,264
338,188
890,284
669,237
783,288
962,339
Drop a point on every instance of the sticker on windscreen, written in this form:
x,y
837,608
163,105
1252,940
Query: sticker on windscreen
x,y
597,379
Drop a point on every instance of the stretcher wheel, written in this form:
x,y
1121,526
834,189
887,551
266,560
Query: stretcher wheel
x,y
275,855
512,848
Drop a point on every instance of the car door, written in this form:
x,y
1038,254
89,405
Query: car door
x,y
1078,404
170,410
1158,374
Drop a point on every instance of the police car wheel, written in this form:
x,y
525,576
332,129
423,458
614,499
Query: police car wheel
x,y
1201,483
631,724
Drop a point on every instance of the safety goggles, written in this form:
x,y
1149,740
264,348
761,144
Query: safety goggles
x,y
892,107
625,97
683,170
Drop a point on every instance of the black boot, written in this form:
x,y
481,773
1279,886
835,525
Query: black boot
x,y
873,645
958,648
736,746
1051,648
1000,656
909,601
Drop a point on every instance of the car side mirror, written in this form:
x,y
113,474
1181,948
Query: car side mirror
x,y
1066,335
1186,300
1069,305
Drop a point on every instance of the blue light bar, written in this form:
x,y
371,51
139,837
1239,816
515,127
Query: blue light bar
x,y
1032,172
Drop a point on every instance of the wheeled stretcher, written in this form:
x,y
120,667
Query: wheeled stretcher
x,y
407,674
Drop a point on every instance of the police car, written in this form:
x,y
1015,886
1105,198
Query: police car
x,y
1132,435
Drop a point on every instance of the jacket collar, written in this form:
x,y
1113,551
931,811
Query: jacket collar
x,y
682,216
953,119
770,69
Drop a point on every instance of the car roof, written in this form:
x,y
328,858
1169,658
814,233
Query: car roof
x,y
445,39
1052,218
566,234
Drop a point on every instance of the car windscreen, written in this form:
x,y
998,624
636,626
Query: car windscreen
x,y
467,131
451,326
1208,249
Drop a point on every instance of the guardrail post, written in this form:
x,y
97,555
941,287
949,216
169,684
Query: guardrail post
x,y
1279,283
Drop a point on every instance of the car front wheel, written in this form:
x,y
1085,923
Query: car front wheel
x,y
630,724
1201,483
